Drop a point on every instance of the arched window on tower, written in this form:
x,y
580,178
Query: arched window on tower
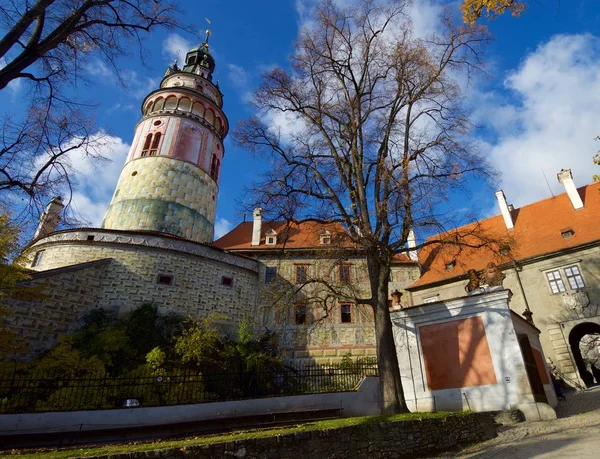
x,y
155,144
214,168
147,143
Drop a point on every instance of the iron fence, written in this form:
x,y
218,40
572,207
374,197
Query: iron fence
x,y
23,392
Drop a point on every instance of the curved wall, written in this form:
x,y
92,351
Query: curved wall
x,y
166,195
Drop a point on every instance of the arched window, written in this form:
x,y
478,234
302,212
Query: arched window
x,y
147,145
185,105
171,103
158,105
198,109
155,144
214,168
209,116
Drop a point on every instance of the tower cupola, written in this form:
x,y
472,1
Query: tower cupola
x,y
170,180
199,60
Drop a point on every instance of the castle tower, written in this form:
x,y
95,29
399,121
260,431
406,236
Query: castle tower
x,y
171,176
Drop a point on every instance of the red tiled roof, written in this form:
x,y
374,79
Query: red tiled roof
x,y
290,235
537,231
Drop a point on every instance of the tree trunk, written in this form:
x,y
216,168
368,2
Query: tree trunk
x,y
390,382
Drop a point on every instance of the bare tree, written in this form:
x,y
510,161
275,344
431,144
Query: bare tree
x,y
45,45
376,139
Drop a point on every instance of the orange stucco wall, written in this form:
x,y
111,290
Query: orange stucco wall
x,y
457,354
541,366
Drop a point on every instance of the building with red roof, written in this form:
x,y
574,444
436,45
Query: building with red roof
x,y
549,252
309,273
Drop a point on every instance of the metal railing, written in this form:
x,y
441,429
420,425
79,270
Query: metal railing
x,y
37,392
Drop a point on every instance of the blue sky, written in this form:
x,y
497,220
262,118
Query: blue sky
x,y
537,110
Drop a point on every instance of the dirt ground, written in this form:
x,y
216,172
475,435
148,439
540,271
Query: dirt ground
x,y
575,434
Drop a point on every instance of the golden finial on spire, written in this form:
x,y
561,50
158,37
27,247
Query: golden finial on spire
x,y
207,35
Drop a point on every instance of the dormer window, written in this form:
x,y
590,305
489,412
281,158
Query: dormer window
x,y
271,237
325,237
504,250
567,233
450,265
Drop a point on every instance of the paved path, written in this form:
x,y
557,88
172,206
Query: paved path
x,y
575,434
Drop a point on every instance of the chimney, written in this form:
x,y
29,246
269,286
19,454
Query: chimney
x,y
50,218
411,242
504,209
256,226
566,178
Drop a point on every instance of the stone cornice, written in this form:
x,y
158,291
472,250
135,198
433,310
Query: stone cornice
x,y
145,240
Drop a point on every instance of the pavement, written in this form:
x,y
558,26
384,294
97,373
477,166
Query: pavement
x,y
575,434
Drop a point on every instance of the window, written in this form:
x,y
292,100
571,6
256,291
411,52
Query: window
x,y
164,279
301,274
555,281
90,237
345,273
214,168
574,277
147,145
346,313
271,237
37,258
431,299
567,233
504,250
325,237
155,143
450,265
300,314
270,274
227,281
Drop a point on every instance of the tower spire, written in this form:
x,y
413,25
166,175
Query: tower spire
x,y
170,181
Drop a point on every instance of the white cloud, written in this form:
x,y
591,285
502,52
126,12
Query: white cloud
x,y
425,15
222,227
96,179
549,120
238,76
99,68
176,47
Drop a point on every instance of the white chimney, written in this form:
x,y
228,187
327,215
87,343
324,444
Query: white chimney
x,y
256,226
504,210
566,178
411,242
50,218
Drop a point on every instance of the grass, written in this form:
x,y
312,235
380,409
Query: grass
x,y
82,452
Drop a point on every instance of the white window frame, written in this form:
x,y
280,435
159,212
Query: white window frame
x,y
271,237
555,281
577,277
37,258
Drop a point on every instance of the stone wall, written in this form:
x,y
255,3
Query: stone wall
x,y
324,338
130,279
404,439
70,292
551,312
166,195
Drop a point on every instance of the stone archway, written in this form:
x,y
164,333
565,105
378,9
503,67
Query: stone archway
x,y
575,336
577,310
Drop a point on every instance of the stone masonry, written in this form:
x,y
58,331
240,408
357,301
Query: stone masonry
x,y
129,278
166,195
403,439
